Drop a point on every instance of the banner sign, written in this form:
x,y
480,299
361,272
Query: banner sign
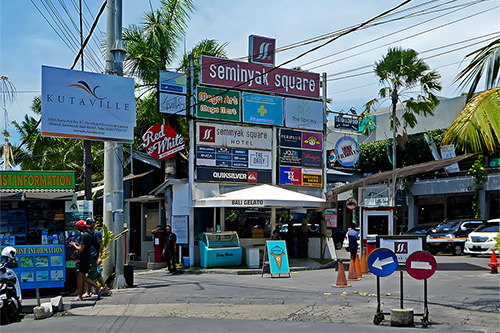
x,y
261,50
162,142
233,157
84,105
218,104
346,122
262,109
256,77
171,82
172,104
37,180
233,136
304,114
40,266
347,151
233,175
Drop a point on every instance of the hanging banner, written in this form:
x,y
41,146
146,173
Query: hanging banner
x,y
84,105
262,109
347,151
255,77
162,142
218,104
304,114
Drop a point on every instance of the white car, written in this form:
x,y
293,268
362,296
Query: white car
x,y
482,240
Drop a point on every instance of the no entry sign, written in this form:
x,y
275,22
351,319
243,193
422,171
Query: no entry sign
x,y
351,203
421,265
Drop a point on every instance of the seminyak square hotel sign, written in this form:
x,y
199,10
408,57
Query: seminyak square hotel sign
x,y
248,76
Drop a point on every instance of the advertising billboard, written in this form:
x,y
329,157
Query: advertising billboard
x,y
84,105
262,109
304,114
218,104
256,77
211,134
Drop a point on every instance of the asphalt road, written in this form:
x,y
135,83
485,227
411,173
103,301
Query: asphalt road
x,y
463,297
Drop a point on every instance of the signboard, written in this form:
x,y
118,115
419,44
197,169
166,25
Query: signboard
x,y
233,157
171,82
233,175
290,157
331,217
351,203
278,257
402,246
290,138
256,77
233,136
162,142
421,265
343,121
37,180
304,114
172,104
382,262
40,266
180,228
347,151
218,104
448,151
84,105
290,176
262,109
312,177
261,50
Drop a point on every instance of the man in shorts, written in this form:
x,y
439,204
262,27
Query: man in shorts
x,y
95,263
83,259
170,249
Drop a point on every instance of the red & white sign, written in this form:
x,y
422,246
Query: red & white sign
x,y
162,142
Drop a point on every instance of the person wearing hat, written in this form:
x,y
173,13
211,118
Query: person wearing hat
x,y
83,259
95,263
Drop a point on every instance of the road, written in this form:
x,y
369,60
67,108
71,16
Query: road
x,y
463,297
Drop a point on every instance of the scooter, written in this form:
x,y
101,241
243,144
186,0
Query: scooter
x,y
10,289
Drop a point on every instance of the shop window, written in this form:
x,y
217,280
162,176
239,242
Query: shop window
x,y
459,206
249,223
152,220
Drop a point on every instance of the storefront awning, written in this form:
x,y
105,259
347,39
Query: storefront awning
x,y
263,196
43,194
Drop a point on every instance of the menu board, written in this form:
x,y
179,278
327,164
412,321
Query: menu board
x,y
41,266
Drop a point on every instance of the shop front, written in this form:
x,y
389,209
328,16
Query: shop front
x,y
33,207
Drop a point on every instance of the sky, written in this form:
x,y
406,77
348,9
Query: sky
x,y
442,31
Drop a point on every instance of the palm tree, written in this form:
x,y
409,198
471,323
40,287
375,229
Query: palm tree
x,y
401,72
485,61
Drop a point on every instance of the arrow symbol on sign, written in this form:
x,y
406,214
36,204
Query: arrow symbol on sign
x,y
379,263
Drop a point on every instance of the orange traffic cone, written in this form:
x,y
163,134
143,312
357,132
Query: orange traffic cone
x,y
358,267
494,263
353,276
364,264
341,281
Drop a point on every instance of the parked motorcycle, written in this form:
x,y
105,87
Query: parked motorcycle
x,y
10,289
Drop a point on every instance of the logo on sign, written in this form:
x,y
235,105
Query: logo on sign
x,y
207,134
162,142
401,247
262,50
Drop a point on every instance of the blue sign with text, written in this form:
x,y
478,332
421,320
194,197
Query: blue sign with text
x,y
262,109
382,262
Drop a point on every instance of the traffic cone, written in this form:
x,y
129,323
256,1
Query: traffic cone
x,y
352,276
358,267
364,264
341,281
494,263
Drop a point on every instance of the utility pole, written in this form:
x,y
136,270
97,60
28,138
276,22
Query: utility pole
x,y
113,151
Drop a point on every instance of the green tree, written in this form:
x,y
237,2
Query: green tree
x,y
402,73
485,62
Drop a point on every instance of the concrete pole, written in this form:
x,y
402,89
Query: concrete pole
x,y
192,142
109,264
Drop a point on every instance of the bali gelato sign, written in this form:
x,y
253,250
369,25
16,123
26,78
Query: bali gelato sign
x,y
162,142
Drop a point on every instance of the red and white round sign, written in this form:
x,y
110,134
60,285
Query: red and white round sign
x,y
421,265
351,203
162,142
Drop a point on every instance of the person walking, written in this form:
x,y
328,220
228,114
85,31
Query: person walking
x,y
353,237
84,258
170,249
96,250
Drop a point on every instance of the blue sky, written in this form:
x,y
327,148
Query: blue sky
x,y
27,41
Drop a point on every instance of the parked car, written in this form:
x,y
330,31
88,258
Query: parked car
x,y
420,229
482,240
450,236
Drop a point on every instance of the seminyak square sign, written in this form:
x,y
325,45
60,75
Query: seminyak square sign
x,y
248,76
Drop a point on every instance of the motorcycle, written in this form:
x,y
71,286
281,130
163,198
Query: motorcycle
x,y
10,289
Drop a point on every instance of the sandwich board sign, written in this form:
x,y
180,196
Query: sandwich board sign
x,y
276,255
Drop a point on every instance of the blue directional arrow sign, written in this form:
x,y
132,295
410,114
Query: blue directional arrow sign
x,y
382,262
